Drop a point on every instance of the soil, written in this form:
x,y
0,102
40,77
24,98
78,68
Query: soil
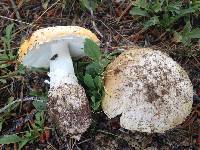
x,y
116,32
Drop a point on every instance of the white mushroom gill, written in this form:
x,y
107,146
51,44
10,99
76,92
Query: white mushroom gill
x,y
61,65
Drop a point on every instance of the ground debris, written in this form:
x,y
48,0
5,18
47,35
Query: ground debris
x,y
120,31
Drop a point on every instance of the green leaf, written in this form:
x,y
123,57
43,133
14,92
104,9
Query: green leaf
x,y
4,66
1,125
88,80
151,22
187,11
157,6
7,139
98,82
141,4
4,57
138,11
89,4
94,68
8,37
39,105
39,119
23,143
196,5
92,50
174,7
29,136
96,93
95,104
177,36
185,40
21,69
3,81
104,62
9,30
45,4
97,67
195,33
40,95
10,100
167,21
186,30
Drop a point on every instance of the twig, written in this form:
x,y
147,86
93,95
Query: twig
x,y
198,62
6,85
21,94
17,101
15,9
51,145
73,144
58,138
95,28
2,50
84,141
106,132
114,31
124,12
163,34
94,24
11,19
31,24
71,7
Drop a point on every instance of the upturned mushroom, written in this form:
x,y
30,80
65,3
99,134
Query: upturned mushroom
x,y
53,47
148,90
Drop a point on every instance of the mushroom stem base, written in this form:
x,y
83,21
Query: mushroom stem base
x,y
69,108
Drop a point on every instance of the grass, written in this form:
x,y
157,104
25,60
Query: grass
x,y
24,121
166,14
34,128
89,4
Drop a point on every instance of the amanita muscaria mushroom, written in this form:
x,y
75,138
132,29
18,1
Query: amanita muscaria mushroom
x,y
150,91
53,47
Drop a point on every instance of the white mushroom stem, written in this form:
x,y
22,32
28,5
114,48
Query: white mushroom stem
x,y
61,65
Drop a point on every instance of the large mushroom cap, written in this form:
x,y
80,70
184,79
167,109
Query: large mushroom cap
x,y
150,91
35,51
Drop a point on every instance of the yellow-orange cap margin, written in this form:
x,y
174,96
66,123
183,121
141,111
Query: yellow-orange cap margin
x,y
50,33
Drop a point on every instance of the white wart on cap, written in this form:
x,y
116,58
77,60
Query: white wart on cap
x,y
53,48
150,91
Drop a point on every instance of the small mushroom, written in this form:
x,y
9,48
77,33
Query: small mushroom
x,y
150,91
53,47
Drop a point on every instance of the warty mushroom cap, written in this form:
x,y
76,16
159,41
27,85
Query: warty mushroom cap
x,y
35,51
150,91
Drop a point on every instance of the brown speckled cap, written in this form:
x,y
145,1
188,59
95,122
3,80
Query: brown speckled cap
x,y
150,91
49,34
